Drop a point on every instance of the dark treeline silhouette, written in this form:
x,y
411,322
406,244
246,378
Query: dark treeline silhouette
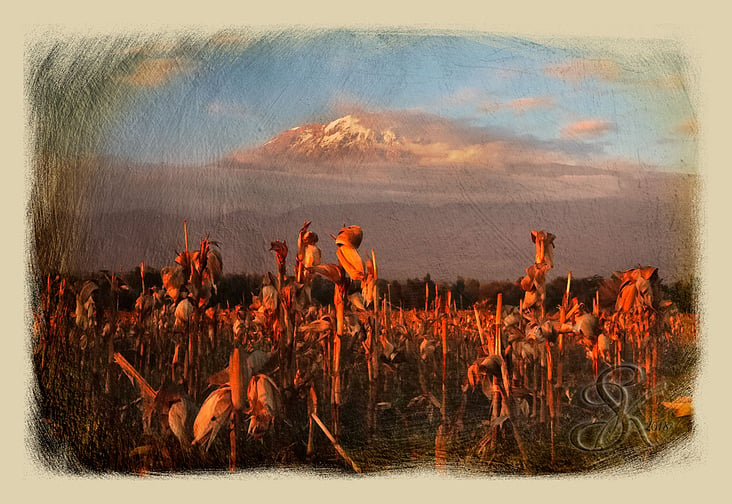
x,y
239,289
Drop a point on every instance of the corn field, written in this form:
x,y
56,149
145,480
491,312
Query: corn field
x,y
184,384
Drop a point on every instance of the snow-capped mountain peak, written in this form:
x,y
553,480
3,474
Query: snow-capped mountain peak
x,y
346,137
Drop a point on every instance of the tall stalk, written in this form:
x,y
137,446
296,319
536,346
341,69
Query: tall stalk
x,y
238,381
339,300
496,350
312,410
373,361
550,397
444,370
560,345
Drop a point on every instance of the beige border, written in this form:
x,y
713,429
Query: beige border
x,y
697,25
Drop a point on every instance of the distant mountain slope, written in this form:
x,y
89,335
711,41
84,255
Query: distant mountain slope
x,y
433,195
649,221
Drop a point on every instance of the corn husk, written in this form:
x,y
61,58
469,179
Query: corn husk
x,y
215,413
312,256
587,324
269,297
491,365
351,261
350,236
215,266
426,349
544,247
305,238
239,329
85,313
603,345
172,280
184,313
87,290
264,403
368,286
181,416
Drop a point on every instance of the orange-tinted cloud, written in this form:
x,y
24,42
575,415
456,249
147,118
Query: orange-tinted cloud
x,y
498,154
157,71
588,128
413,138
521,105
581,69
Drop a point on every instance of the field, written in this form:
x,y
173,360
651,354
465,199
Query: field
x,y
184,384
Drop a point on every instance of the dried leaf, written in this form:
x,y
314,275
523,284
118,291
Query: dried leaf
x,y
351,261
332,272
681,406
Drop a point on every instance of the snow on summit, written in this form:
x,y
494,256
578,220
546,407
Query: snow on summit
x,y
346,138
407,137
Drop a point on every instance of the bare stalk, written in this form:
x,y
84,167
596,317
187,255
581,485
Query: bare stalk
x,y
444,371
480,329
336,370
373,362
496,399
339,449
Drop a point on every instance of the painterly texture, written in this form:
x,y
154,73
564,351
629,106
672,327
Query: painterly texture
x,y
446,148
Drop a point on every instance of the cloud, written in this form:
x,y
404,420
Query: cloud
x,y
416,138
588,128
581,69
499,154
521,105
152,72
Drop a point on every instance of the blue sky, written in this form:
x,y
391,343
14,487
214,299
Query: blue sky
x,y
238,91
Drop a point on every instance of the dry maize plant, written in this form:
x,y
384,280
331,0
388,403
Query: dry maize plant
x,y
355,383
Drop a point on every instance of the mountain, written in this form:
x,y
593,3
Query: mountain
x,y
433,195
403,138
346,137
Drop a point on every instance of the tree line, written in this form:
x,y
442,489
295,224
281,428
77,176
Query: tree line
x,y
239,289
